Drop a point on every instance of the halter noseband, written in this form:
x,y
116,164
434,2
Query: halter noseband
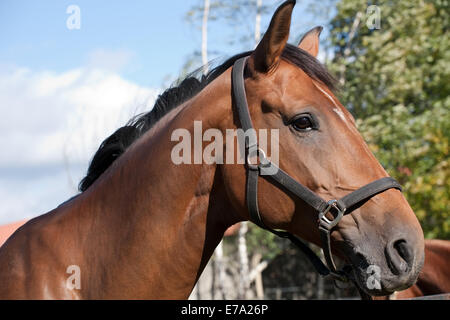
x,y
265,167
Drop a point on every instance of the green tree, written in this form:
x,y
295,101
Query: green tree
x,y
396,82
415,151
404,62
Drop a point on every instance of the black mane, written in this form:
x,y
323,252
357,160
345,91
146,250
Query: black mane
x,y
117,143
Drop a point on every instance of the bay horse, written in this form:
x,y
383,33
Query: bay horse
x,y
144,227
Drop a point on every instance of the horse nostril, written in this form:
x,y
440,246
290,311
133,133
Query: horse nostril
x,y
399,256
404,250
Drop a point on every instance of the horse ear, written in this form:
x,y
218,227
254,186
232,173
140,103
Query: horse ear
x,y
310,41
269,49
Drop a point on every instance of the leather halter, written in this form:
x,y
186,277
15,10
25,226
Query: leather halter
x,y
337,208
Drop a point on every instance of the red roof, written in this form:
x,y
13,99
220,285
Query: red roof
x,y
8,229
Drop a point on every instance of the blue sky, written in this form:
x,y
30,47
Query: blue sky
x,y
63,91
156,38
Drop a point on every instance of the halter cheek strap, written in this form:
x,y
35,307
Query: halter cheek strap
x,y
267,169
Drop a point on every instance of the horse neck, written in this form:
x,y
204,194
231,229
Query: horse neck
x,y
165,218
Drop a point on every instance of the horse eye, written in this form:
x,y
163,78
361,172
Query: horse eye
x,y
302,123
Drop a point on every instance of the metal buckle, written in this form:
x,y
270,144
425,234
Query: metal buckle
x,y
323,220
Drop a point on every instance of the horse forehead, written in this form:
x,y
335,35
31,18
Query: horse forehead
x,y
295,85
335,105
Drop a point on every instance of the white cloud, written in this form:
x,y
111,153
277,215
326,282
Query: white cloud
x,y
45,113
56,121
112,60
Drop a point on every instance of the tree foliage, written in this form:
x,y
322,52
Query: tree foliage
x,y
414,149
397,85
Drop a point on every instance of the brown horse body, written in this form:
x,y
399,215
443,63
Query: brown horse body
x,y
147,227
143,234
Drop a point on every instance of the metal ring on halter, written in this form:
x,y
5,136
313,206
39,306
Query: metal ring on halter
x,y
253,151
323,220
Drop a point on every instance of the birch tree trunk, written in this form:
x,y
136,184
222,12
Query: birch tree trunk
x,y
256,274
205,36
320,281
220,269
258,22
347,51
244,283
